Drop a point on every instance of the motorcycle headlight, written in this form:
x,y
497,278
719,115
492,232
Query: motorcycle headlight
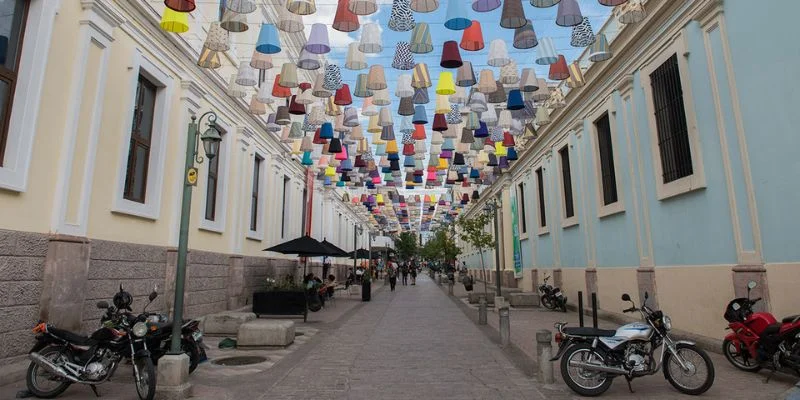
x,y
667,323
140,329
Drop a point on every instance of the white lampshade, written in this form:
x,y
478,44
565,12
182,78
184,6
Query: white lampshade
x,y
498,53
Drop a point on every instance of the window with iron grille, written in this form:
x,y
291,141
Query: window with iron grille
x,y
606,149
141,138
566,180
212,184
670,116
12,29
521,205
540,189
254,196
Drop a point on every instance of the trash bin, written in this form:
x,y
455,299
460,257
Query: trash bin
x,y
366,290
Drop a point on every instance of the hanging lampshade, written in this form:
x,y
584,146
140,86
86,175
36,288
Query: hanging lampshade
x,y
557,100
296,108
546,54
424,6
575,79
282,116
569,13
256,107
421,41
542,116
232,21
509,74
326,131
420,116
402,19
268,40
370,39
403,58
345,20
376,79
445,85
485,5
261,60
466,136
489,116
439,123
454,115
308,61
404,88
317,42
285,135
631,12
363,7
305,97
543,93
356,60
582,34
350,118
419,133
406,106
218,39
361,87
241,6
437,138
209,59
544,3
420,96
373,127
319,89
515,100
343,97
331,108
465,77
442,104
600,50
504,120
525,37
391,144
289,22
472,38
487,84
528,82
234,89
451,58
183,6
559,71
513,16
246,75
301,7
335,146
333,77
385,118
368,109
611,3
381,97
460,96
174,21
457,16
477,102
295,132
482,131
357,135
498,54
407,127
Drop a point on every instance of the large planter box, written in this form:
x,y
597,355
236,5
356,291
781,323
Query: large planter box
x,y
280,303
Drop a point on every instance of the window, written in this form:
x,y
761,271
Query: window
x,y
566,180
284,202
254,196
12,27
141,137
608,175
212,185
670,118
540,189
521,205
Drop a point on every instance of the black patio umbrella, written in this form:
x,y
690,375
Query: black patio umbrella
x,y
304,246
360,253
334,251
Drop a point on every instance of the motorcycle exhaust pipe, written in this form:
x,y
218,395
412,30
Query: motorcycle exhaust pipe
x,y
51,368
597,367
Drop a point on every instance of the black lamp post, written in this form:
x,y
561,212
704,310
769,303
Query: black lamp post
x,y
211,139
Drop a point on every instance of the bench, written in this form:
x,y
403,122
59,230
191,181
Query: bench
x,y
474,296
265,333
524,299
225,323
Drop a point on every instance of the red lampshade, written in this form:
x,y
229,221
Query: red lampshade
x,y
317,139
303,86
419,132
508,140
439,123
296,108
472,38
488,142
559,71
180,5
451,58
278,90
345,20
408,149
343,97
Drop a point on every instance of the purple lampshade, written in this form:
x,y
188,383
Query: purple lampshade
x,y
318,40
485,5
569,13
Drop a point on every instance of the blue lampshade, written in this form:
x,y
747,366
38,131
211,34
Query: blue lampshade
x,y
326,131
457,16
474,173
515,101
380,149
512,154
420,116
327,181
482,132
393,156
417,179
408,162
307,158
448,146
268,40
340,183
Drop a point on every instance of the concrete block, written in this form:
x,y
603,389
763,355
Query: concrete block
x,y
524,299
474,296
172,382
506,292
263,332
226,323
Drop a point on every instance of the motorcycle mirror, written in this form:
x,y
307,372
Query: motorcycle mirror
x,y
626,297
751,285
102,305
152,295
646,296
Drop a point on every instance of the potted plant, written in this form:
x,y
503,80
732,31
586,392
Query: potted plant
x,y
280,297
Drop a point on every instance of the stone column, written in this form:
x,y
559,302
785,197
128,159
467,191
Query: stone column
x,y
591,284
742,274
646,280
235,282
66,269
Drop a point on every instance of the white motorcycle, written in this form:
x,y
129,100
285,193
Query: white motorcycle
x,y
591,358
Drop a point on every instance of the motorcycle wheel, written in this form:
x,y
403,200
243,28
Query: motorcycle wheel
x,y
37,376
146,381
547,302
739,358
697,378
190,348
581,381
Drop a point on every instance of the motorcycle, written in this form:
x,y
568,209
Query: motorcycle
x,y
551,297
591,358
159,340
61,358
758,339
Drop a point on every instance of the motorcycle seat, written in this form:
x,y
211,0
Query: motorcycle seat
x,y
790,319
70,337
586,331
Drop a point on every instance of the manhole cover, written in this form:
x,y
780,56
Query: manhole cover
x,y
236,361
296,334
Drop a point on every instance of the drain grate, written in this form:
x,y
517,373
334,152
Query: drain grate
x,y
237,361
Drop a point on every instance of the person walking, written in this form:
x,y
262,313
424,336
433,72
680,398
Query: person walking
x,y
391,271
413,273
404,272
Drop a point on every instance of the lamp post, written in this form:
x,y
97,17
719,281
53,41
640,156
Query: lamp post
x,y
357,229
210,139
492,206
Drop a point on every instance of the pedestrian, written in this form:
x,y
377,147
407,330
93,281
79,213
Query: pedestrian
x,y
413,274
404,272
391,271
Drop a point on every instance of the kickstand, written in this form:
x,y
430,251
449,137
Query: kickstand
x,y
628,380
94,389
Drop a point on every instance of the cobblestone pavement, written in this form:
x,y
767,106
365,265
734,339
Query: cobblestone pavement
x,y
729,382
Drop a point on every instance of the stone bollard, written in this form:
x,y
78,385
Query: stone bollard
x,y
482,320
505,326
544,349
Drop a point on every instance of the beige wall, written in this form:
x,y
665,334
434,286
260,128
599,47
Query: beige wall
x,y
611,284
783,280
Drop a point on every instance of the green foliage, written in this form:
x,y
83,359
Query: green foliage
x,y
441,246
282,285
473,231
406,245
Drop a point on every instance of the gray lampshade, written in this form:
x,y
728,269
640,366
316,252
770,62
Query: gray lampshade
x,y
525,37
402,18
406,106
465,76
513,14
569,13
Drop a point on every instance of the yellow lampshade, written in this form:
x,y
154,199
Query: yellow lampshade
x,y
442,164
330,171
296,147
446,86
500,150
175,22
379,198
373,126
483,157
433,199
391,146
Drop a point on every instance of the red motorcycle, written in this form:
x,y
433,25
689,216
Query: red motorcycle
x,y
758,339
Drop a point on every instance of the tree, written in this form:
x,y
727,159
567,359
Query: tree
x,y
406,245
441,246
473,231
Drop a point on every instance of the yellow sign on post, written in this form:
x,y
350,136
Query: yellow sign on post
x,y
191,176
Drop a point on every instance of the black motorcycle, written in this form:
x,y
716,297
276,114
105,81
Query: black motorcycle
x,y
161,337
61,358
552,298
